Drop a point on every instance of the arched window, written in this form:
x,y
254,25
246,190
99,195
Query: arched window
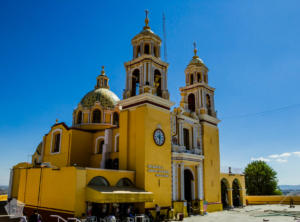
x,y
199,77
99,146
96,116
135,82
208,104
99,181
191,102
116,119
191,79
186,138
124,182
157,82
147,49
138,51
79,117
116,164
117,143
56,141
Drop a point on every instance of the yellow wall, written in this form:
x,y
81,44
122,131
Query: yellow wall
x,y
254,200
63,157
138,150
3,197
211,166
64,189
81,146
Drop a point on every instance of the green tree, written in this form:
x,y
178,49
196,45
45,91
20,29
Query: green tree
x,y
260,179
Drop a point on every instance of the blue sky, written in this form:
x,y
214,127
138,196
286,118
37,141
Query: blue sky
x,y
52,51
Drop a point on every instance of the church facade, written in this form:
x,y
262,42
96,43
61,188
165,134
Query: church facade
x,y
135,151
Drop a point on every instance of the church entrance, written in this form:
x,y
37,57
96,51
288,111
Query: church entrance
x,y
224,193
188,185
236,193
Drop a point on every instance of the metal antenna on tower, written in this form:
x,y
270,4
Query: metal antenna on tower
x,y
165,37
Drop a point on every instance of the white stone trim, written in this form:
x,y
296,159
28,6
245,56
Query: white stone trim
x,y
117,136
200,180
182,181
96,143
60,132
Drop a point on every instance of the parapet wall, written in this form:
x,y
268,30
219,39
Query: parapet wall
x,y
255,200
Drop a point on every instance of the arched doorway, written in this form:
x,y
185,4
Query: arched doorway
x,y
135,82
188,185
191,102
224,193
236,197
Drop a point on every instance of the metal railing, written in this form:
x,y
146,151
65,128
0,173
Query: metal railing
x,y
231,170
59,218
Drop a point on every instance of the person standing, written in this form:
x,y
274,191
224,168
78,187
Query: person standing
x,y
35,217
157,210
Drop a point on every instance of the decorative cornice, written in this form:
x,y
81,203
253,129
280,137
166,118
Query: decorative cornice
x,y
187,156
144,99
197,85
209,119
146,57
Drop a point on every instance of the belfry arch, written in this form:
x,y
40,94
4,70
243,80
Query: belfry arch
x,y
191,102
135,82
158,82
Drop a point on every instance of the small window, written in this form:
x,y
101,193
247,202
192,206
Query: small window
x,y
147,49
138,51
100,147
79,117
199,77
116,119
117,144
191,79
96,116
56,144
186,138
105,82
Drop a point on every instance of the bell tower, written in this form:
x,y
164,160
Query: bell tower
x,y
146,72
197,96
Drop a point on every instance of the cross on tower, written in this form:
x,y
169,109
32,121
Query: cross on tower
x,y
195,48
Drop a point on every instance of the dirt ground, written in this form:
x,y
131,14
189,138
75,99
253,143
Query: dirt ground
x,y
262,213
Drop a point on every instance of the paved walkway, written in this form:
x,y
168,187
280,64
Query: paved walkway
x,y
271,213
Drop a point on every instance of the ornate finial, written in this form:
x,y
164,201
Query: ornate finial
x,y
103,71
195,48
56,121
146,20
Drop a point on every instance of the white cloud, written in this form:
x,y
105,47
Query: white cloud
x,y
279,160
297,153
260,158
275,156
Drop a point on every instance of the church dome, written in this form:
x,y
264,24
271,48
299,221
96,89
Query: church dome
x,y
104,96
196,61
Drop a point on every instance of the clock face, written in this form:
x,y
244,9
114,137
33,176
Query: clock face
x,y
159,137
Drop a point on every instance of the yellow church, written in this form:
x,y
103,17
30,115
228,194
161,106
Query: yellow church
x,y
136,153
